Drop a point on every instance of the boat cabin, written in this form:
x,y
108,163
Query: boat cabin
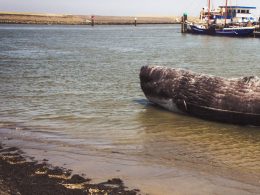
x,y
236,14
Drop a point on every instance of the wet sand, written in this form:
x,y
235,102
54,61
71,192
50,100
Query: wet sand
x,y
150,178
24,175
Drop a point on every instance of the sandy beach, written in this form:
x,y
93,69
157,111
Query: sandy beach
x,y
91,170
21,174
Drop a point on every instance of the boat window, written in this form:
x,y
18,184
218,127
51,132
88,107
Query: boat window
x,y
243,11
238,11
247,11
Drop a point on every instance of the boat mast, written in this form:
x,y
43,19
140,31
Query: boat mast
x,y
226,12
208,11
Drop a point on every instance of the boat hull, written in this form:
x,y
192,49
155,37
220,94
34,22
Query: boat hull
x,y
231,32
235,32
203,96
198,30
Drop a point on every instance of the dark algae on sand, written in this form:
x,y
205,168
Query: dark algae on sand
x,y
21,175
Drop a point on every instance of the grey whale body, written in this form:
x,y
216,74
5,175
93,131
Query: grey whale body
x,y
234,101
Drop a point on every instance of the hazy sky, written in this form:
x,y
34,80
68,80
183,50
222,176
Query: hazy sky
x,y
117,7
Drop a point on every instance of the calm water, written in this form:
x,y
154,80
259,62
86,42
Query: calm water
x,y
78,86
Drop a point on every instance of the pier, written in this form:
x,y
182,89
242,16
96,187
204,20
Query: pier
x,y
64,19
257,31
257,34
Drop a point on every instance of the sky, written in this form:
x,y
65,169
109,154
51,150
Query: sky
x,y
118,7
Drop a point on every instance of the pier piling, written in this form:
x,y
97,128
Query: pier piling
x,y
259,24
184,23
135,23
92,20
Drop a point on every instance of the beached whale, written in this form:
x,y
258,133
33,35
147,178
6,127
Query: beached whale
x,y
215,98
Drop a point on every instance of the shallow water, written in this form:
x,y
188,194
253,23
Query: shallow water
x,y
78,87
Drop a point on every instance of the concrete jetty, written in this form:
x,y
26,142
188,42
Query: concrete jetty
x,y
38,18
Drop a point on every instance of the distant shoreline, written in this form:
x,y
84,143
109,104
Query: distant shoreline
x,y
63,19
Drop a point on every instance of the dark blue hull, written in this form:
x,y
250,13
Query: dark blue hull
x,y
199,30
232,32
235,32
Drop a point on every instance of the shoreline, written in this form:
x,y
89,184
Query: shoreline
x,y
21,174
150,178
68,19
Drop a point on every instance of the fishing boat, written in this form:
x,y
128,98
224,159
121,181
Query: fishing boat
x,y
227,15
203,96
232,31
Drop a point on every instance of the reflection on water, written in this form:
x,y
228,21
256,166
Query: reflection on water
x,y
170,137
79,87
